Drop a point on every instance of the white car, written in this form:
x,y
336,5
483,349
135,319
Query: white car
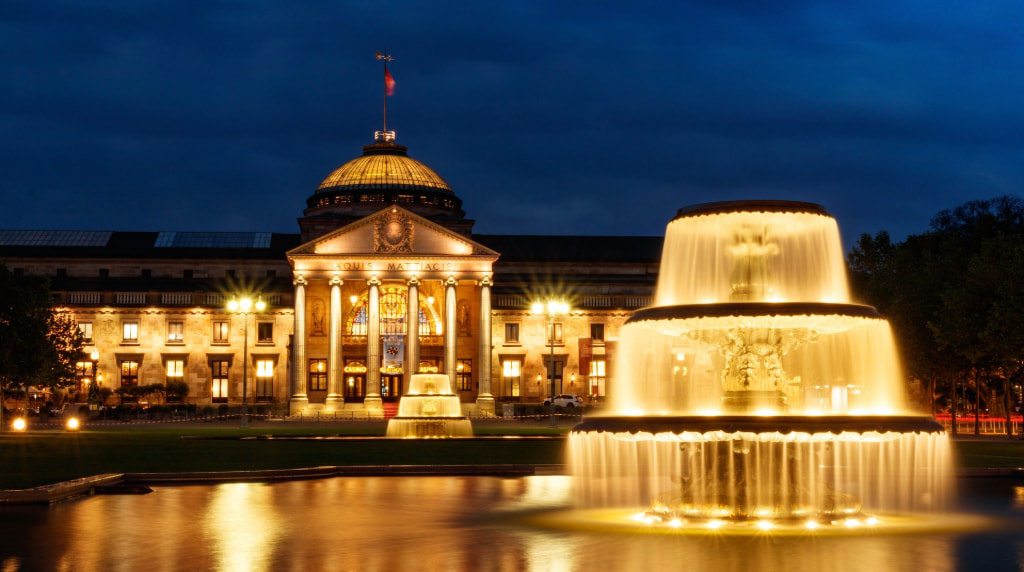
x,y
564,401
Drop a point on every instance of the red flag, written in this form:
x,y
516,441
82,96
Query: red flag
x,y
389,82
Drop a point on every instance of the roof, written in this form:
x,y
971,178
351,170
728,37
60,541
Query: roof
x,y
149,245
555,248
253,245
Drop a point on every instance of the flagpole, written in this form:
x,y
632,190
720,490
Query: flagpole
x,y
387,58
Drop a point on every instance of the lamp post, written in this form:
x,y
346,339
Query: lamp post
x,y
245,306
553,309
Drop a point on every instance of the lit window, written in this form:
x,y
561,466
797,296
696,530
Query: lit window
x,y
265,332
318,375
220,332
264,368
175,332
131,331
597,377
86,329
557,340
512,333
219,371
175,369
511,374
464,374
129,373
264,380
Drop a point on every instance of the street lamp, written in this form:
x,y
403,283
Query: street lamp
x,y
553,309
245,306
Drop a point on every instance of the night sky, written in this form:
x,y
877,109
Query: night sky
x,y
545,117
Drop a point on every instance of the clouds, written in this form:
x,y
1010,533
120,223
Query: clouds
x,y
567,117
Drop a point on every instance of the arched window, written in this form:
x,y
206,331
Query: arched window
x,y
393,310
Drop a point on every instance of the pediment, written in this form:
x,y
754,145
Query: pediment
x,y
393,231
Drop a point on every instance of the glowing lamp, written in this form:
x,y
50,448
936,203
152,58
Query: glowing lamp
x,y
19,424
73,424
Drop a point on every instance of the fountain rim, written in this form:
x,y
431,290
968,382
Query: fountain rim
x,y
754,310
751,206
785,424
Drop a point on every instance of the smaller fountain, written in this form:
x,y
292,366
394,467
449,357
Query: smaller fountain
x,y
429,411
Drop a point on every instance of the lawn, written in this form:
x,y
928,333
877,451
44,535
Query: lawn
x,y
43,457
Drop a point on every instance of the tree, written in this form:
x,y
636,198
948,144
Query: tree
x,y
39,345
954,299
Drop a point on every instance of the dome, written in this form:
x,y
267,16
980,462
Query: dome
x,y
383,166
383,176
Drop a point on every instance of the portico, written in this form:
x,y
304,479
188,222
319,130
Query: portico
x,y
384,297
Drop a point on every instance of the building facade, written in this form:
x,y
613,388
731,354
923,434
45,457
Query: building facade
x,y
384,279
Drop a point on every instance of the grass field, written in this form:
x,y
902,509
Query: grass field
x,y
44,457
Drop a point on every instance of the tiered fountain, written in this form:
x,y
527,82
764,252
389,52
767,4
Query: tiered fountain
x,y
429,410
755,389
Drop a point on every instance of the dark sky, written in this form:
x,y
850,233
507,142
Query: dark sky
x,y
545,117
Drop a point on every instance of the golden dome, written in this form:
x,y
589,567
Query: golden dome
x,y
383,166
384,175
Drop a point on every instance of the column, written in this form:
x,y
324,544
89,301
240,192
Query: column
x,y
450,333
335,374
412,335
299,400
373,400
484,399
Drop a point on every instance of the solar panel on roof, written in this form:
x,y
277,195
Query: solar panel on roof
x,y
54,237
175,239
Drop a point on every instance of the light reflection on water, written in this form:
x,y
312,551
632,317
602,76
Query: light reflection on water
x,y
432,523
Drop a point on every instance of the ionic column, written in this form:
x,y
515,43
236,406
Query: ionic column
x,y
449,330
335,398
412,335
484,399
299,400
373,400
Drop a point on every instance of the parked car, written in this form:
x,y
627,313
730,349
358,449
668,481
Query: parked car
x,y
564,401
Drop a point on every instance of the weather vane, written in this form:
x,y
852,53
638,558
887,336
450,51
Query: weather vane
x,y
389,89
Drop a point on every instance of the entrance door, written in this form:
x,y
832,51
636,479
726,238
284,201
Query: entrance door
x,y
390,388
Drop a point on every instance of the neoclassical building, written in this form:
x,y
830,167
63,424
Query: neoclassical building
x,y
384,279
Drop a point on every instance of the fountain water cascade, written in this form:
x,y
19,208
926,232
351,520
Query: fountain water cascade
x,y
429,410
755,389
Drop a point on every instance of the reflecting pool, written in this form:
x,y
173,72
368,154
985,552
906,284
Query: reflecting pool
x,y
458,523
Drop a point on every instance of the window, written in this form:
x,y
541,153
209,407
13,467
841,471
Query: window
x,y
317,375
512,333
464,374
512,377
597,333
86,329
265,332
219,371
555,370
557,340
83,377
220,332
129,373
131,331
597,377
355,380
264,380
176,332
175,369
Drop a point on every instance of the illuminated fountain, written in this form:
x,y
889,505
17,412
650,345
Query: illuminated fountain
x,y
754,389
429,410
